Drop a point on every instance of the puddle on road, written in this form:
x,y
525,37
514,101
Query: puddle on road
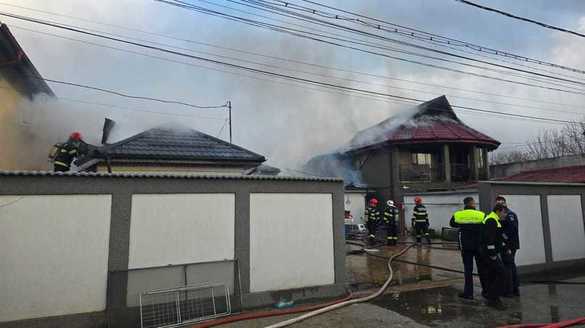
x,y
440,307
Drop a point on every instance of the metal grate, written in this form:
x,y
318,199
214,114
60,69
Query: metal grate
x,y
178,306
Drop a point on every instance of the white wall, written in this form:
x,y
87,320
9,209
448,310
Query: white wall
x,y
530,228
355,202
566,227
53,255
181,228
440,206
291,241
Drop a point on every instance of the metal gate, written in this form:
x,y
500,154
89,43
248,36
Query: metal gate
x,y
177,306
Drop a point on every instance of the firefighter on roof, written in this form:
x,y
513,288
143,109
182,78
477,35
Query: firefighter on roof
x,y
62,154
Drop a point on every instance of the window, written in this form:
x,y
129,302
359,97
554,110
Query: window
x,y
421,159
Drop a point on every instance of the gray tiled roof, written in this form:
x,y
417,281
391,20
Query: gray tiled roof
x,y
179,144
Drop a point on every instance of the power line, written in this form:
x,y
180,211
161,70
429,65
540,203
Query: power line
x,y
432,39
574,91
275,74
545,25
295,70
288,31
265,4
447,40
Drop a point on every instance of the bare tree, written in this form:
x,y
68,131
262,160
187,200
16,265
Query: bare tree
x,y
566,141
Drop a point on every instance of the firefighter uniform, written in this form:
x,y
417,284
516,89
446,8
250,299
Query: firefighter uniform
x,y
372,220
63,155
491,248
391,216
420,219
469,221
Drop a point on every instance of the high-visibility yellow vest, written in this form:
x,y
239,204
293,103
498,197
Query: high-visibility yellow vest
x,y
494,216
469,216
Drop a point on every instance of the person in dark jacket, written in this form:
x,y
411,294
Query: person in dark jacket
x,y
62,154
373,217
512,240
420,220
469,221
492,244
391,214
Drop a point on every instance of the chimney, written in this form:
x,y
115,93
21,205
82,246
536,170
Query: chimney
x,y
108,126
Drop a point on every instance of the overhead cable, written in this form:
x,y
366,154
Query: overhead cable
x,y
501,12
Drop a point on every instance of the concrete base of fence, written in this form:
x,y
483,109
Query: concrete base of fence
x,y
552,268
256,300
82,320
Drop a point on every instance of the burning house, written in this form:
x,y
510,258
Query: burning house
x,y
20,82
430,149
172,150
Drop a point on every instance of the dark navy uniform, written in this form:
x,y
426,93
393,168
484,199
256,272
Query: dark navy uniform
x,y
391,216
420,219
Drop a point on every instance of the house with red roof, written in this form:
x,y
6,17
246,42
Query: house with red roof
x,y
428,149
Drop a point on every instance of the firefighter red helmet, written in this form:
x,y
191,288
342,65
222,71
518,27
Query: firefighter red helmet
x,y
75,136
373,202
417,200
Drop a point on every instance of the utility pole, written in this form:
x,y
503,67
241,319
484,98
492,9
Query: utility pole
x,y
229,105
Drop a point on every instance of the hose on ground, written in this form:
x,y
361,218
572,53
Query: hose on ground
x,y
561,324
349,302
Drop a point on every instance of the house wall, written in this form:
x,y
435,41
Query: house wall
x,y
11,156
81,247
54,255
377,174
551,220
278,221
176,169
440,205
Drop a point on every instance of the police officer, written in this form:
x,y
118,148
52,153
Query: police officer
x,y
373,216
420,220
469,221
63,154
391,214
512,241
491,248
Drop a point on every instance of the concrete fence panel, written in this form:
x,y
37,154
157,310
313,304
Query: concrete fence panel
x,y
43,240
440,206
291,241
566,227
181,228
528,209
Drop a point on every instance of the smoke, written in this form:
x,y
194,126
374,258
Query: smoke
x,y
29,128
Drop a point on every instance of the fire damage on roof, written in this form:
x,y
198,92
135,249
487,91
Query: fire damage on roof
x,y
428,145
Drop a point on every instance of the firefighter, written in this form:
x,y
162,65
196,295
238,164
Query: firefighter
x,y
420,221
492,245
469,221
391,214
512,240
372,219
62,154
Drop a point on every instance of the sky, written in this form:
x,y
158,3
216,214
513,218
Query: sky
x,y
286,121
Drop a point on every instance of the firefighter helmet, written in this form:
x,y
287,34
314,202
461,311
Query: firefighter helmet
x,y
390,203
417,200
373,202
75,136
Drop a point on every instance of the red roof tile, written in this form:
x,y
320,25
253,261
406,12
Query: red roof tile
x,y
570,174
434,122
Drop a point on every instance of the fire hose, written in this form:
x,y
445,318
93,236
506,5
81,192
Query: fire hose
x,y
348,302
